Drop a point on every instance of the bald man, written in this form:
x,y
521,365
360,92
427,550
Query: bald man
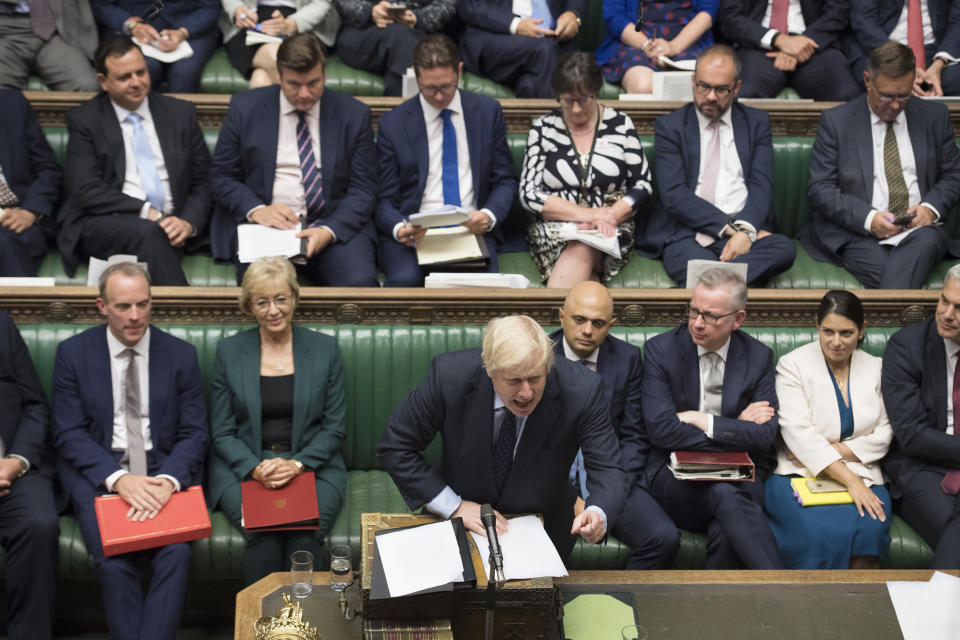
x,y
586,318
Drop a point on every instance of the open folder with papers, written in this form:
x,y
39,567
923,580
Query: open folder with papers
x,y
452,246
711,465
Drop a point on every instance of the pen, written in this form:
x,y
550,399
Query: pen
x,y
406,223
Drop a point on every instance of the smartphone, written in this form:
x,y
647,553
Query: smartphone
x,y
905,219
396,9
824,486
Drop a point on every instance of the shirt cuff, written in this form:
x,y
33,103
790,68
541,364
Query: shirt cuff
x,y
446,502
249,213
869,221
709,430
145,210
396,230
767,37
946,57
741,225
113,477
603,515
176,483
933,209
513,25
24,461
493,219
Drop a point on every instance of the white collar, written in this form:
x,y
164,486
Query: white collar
x,y
116,347
722,351
430,112
288,109
143,110
567,351
901,119
951,347
704,121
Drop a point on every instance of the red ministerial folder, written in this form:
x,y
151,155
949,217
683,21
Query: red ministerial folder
x,y
291,507
711,465
182,519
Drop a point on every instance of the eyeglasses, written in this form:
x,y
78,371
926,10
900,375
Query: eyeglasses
x,y
722,91
888,98
583,101
711,319
442,88
282,302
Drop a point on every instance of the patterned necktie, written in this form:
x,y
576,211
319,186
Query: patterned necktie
x,y
541,11
309,174
503,448
713,384
778,15
450,174
896,185
951,480
146,165
711,171
7,197
915,33
136,455
42,21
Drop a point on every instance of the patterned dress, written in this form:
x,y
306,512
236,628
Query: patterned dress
x,y
552,167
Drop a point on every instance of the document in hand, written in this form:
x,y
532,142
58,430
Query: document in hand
x,y
711,465
595,239
527,551
182,519
448,245
291,507
421,559
808,498
183,50
255,241
445,216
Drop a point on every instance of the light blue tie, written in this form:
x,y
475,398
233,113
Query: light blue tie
x,y
450,174
146,166
578,475
542,12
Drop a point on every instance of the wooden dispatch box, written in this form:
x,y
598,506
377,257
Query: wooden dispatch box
x,y
525,610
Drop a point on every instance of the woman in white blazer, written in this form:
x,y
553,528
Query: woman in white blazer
x,y
833,425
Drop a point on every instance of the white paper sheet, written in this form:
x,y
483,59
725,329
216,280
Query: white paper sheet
x,y
609,245
420,558
527,551
444,280
255,37
183,50
98,266
897,238
255,241
927,610
680,65
445,216
13,281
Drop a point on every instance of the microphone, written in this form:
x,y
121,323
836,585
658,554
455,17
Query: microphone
x,y
496,554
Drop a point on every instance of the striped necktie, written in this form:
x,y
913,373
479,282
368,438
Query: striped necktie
x,y
309,173
896,185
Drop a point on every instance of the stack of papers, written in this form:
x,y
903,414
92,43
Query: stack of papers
x,y
595,239
927,610
527,551
420,558
445,216
444,280
183,50
255,241
449,244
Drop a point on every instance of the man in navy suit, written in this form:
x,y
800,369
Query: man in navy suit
x,y
518,42
296,152
586,318
921,391
414,141
130,418
29,528
796,46
136,170
875,159
709,387
511,418
714,168
875,22
29,187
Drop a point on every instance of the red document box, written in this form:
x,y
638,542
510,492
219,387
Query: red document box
x,y
184,518
711,465
291,507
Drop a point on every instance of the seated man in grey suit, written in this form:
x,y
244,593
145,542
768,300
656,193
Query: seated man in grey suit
x,y
884,173
54,39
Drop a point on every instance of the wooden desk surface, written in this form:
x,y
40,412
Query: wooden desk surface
x,y
333,627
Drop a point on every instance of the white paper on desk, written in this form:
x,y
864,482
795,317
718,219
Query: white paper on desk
x,y
419,558
527,551
255,241
897,238
23,281
927,610
183,50
444,280
611,246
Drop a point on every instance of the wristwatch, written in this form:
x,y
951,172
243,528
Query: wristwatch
x,y
129,24
299,465
24,465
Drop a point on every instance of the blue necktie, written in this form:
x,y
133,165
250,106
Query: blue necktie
x,y
542,12
503,448
451,169
578,475
309,174
146,165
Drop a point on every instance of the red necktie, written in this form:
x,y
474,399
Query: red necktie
x,y
915,33
778,15
951,480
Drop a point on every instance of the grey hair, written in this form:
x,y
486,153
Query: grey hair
x,y
952,274
717,277
129,269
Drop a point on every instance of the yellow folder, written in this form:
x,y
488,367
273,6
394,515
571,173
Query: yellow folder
x,y
809,499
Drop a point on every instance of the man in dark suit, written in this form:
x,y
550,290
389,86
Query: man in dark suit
x,y
296,152
708,387
511,418
29,528
129,418
884,173
517,42
921,391
54,39
935,41
30,180
414,141
136,170
586,318
714,175
791,43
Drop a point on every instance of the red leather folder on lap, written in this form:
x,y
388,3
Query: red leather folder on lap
x,y
184,518
291,507
711,465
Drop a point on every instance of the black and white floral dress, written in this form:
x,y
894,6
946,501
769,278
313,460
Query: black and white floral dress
x,y
551,167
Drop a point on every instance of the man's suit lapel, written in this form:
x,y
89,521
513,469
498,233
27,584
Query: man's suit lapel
x,y
98,359
302,385
861,127
692,146
329,141
417,139
268,141
160,376
472,122
741,137
478,412
607,368
936,366
113,138
535,431
734,376
689,363
250,379
918,140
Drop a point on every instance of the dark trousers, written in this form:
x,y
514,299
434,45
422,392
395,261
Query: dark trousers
x,y
400,265
340,264
21,254
522,62
934,515
825,76
387,51
104,236
766,258
645,527
906,266
29,533
731,513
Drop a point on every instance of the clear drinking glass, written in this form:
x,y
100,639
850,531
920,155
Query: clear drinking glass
x,y
301,573
341,567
